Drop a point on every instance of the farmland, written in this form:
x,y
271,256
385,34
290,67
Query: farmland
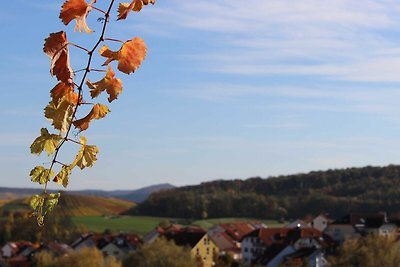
x,y
144,224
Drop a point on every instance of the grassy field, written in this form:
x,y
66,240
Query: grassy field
x,y
144,224
138,224
210,222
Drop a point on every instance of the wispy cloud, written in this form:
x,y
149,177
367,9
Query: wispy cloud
x,y
284,125
336,39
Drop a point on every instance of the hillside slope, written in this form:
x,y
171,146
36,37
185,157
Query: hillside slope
x,y
135,195
334,191
78,205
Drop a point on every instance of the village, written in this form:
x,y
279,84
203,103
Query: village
x,y
299,243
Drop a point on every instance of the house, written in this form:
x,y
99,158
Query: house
x,y
298,224
120,245
17,254
58,249
159,231
202,247
11,249
226,245
252,247
279,243
84,241
112,249
355,225
235,232
320,222
312,257
115,245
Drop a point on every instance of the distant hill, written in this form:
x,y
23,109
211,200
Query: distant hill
x,y
137,195
140,195
336,192
78,205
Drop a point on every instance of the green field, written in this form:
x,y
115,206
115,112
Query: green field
x,y
210,222
144,224
138,224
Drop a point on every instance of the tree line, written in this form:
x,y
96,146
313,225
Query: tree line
x,y
335,192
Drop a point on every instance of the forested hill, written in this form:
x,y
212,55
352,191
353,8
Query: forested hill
x,y
334,191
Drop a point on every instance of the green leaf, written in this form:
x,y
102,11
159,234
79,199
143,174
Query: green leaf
x,y
41,175
63,176
36,202
60,114
45,141
51,202
86,156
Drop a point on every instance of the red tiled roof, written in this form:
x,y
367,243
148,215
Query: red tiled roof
x,y
237,230
285,235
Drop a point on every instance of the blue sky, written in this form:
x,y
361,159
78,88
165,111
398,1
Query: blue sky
x,y
229,89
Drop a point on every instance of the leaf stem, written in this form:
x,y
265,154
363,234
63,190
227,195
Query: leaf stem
x,y
112,39
73,141
98,9
80,47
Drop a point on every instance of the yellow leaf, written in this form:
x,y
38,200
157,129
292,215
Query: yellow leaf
x,y
50,202
113,86
36,202
45,141
60,114
41,175
63,176
87,155
98,111
129,57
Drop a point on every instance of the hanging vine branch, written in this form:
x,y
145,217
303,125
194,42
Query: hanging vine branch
x,y
67,96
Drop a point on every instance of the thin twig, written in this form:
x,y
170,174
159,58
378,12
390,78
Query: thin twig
x,y
80,90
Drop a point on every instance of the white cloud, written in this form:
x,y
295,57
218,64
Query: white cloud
x,y
337,39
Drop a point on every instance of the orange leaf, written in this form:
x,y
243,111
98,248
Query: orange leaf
x,y
129,57
98,111
63,89
56,47
78,10
54,43
113,86
135,5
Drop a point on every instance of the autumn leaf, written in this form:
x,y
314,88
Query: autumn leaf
x,y
113,86
78,10
36,202
64,90
60,114
135,5
56,47
129,57
50,202
41,175
86,156
54,43
63,176
98,111
45,141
